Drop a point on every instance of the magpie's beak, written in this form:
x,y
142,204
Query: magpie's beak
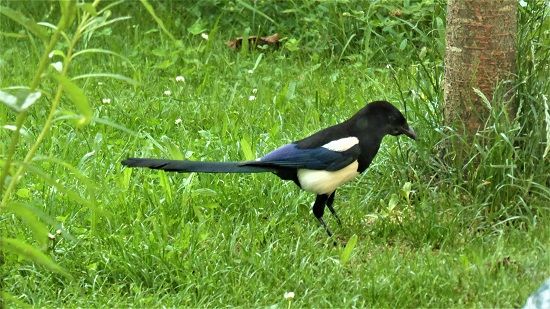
x,y
409,132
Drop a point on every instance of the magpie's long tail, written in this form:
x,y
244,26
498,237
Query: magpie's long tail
x,y
182,166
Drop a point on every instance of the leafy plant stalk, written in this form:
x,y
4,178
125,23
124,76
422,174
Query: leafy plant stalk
x,y
43,64
49,120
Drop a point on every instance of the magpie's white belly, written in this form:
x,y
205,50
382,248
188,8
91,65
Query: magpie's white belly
x,y
325,182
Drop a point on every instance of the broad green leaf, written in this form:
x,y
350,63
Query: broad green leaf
x,y
30,99
406,190
92,266
292,45
204,192
394,199
403,44
159,21
197,27
23,193
20,102
346,254
110,75
165,185
13,35
291,91
31,253
258,60
12,300
26,22
212,205
174,151
422,53
198,213
9,100
77,96
124,180
26,213
165,64
245,43
246,150
68,13
88,7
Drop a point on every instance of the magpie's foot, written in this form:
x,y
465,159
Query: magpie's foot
x,y
325,226
333,211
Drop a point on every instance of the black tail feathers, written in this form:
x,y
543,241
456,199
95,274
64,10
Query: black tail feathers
x,y
182,166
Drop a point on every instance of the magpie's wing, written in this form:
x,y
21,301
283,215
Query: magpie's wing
x,y
318,158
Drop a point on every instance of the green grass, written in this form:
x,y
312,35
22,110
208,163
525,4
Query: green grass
x,y
150,238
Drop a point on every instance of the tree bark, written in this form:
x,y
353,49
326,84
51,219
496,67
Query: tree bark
x,y
480,52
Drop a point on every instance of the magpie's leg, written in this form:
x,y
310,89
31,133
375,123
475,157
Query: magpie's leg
x,y
319,209
330,201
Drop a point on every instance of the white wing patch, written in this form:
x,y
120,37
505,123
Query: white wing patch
x,y
325,182
342,144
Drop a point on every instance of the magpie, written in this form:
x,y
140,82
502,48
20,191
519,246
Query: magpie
x,y
319,163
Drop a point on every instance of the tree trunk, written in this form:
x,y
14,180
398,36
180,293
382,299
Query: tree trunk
x,y
480,52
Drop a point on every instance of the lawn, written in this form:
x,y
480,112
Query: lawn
x,y
430,231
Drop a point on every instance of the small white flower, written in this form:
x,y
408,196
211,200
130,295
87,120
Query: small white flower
x,y
50,55
180,78
251,98
178,121
288,295
99,83
254,90
522,3
167,92
106,101
58,66
250,71
204,35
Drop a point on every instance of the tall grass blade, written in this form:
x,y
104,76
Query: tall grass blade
x,y
39,230
77,96
26,22
255,10
109,75
159,21
30,253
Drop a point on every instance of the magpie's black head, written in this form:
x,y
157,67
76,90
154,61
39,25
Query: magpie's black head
x,y
384,117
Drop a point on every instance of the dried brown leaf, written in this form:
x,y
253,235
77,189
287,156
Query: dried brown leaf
x,y
254,41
